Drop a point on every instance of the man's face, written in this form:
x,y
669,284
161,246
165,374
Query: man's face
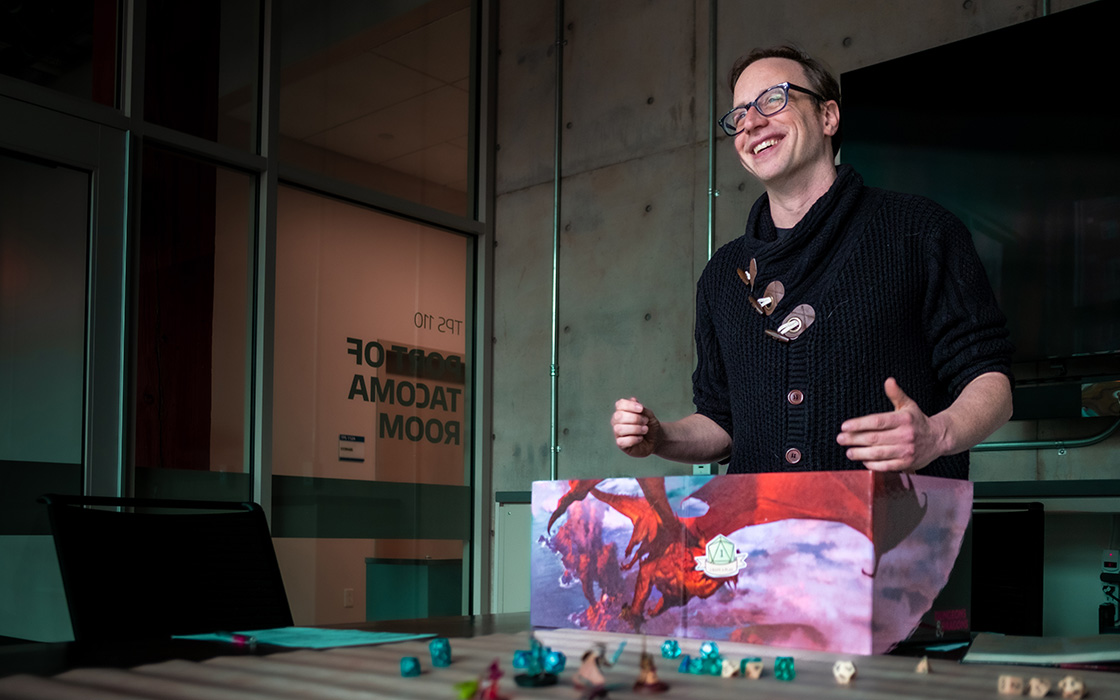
x,y
792,146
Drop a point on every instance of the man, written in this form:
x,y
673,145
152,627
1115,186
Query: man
x,y
848,326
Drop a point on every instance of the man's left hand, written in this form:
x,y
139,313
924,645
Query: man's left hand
x,y
904,440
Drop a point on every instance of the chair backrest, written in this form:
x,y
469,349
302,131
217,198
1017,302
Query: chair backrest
x,y
150,568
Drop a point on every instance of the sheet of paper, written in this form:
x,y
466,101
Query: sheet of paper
x,y
1008,649
305,637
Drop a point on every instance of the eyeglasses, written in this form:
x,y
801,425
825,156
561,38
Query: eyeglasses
x,y
770,102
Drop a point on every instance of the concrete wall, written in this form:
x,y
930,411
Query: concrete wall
x,y
634,209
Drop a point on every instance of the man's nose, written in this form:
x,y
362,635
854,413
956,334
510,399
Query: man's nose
x,y
752,119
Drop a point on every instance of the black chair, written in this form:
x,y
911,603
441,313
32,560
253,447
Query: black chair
x,y
148,569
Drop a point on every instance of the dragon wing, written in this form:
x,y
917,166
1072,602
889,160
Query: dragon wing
x,y
652,516
735,502
577,491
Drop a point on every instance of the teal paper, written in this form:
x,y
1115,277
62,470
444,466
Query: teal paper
x,y
309,637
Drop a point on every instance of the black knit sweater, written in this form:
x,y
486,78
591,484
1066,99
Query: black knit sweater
x,y
898,291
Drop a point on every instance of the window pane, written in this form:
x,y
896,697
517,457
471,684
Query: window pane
x,y
44,233
192,329
201,69
369,411
65,45
377,94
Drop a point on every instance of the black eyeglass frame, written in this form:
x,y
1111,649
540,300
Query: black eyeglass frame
x,y
729,129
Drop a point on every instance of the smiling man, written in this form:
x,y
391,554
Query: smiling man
x,y
848,327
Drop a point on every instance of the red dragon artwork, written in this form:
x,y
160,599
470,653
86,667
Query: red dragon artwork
x,y
664,545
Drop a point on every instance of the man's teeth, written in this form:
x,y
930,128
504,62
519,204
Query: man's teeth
x,y
764,145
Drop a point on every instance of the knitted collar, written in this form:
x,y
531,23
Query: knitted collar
x,y
798,258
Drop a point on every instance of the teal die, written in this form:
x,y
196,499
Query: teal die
x,y
440,648
783,668
709,650
410,666
521,658
670,649
686,664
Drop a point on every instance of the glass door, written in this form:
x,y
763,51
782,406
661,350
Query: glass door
x,y
61,295
370,485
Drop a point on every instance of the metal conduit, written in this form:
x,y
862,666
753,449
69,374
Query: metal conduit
x,y
554,367
1047,444
712,191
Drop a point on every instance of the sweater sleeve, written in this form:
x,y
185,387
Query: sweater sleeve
x,y
709,380
964,325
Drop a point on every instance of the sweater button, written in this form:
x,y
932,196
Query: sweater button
x,y
795,397
793,455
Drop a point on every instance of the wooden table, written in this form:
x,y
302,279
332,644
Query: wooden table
x,y
360,673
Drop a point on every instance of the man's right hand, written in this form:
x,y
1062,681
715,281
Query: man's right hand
x,y
637,432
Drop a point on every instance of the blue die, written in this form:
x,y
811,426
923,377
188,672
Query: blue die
x,y
686,663
410,666
670,649
440,647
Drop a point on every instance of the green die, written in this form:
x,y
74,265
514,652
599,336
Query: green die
x,y
783,668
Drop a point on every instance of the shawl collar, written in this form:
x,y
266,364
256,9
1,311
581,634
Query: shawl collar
x,y
804,253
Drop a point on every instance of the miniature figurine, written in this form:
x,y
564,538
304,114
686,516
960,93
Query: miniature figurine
x,y
554,661
590,669
535,660
485,687
488,690
589,677
648,682
467,689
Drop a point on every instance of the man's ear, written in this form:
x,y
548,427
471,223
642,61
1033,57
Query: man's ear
x,y
830,113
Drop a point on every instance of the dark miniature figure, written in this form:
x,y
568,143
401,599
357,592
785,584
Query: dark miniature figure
x,y
536,673
648,682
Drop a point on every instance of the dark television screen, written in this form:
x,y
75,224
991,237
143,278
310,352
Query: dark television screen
x,y
1018,133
